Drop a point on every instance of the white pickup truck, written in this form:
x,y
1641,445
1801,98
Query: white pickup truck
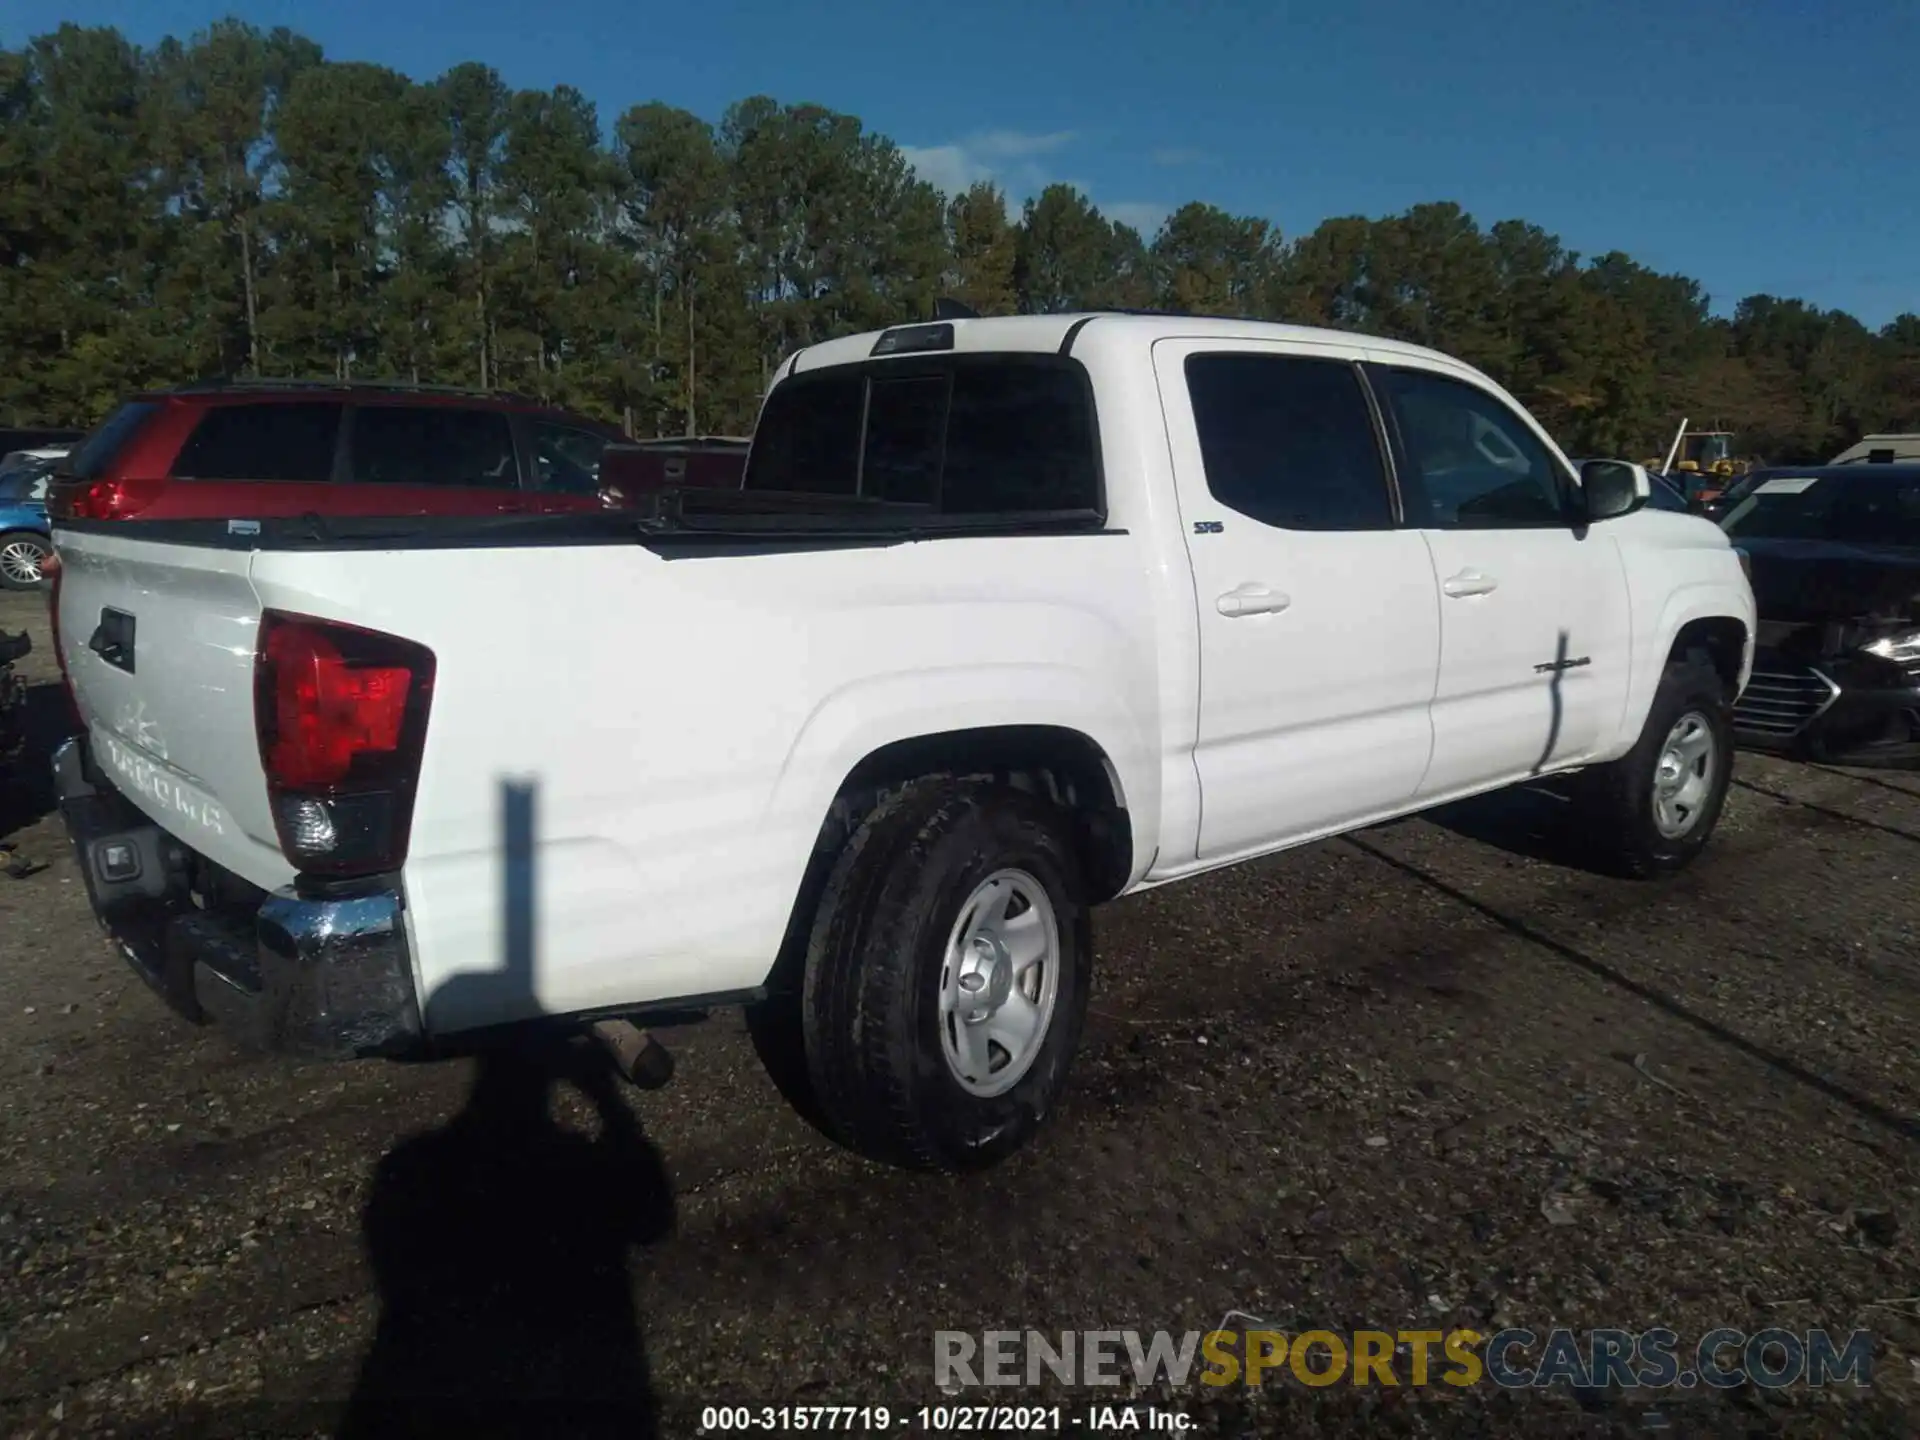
x,y
1012,617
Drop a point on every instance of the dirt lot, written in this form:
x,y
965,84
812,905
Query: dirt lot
x,y
1431,1076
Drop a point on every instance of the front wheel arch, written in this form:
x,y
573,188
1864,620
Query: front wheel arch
x,y
1615,802
1704,626
1723,638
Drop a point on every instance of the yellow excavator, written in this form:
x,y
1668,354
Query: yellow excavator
x,y
1705,461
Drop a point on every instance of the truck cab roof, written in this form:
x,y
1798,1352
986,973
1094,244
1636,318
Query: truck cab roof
x,y
1077,332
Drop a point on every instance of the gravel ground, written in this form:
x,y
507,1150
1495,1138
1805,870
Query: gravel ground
x,y
1429,1076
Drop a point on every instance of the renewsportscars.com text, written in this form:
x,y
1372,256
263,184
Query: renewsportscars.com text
x,y
1511,1359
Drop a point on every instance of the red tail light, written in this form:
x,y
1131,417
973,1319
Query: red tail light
x,y
103,499
342,719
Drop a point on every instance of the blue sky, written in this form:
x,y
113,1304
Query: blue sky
x,y
1758,146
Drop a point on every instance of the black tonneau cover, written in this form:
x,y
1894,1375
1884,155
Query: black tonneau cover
x,y
762,513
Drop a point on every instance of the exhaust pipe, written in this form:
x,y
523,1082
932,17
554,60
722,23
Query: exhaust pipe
x,y
641,1060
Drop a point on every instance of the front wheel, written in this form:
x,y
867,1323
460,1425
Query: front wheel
x,y
1651,812
23,560
947,977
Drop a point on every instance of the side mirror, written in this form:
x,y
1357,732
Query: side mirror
x,y
1611,488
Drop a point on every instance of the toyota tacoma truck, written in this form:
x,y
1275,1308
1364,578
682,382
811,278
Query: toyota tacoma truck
x,y
1011,617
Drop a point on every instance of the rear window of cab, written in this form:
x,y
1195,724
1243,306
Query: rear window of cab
x,y
961,435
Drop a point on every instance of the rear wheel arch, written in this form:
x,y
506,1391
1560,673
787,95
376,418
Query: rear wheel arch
x,y
900,1051
1061,765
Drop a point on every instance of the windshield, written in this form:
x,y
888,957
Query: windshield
x,y
1855,510
1662,496
25,482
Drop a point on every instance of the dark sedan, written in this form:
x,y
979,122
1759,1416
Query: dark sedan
x,y
1834,553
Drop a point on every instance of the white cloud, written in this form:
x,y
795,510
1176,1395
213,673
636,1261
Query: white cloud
x,y
1146,216
948,168
1021,165
1009,158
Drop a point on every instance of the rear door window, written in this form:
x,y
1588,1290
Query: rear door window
x,y
277,442
1289,441
432,445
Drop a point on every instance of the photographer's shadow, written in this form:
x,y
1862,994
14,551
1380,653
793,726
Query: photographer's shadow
x,y
500,1242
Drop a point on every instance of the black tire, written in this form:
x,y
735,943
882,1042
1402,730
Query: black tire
x,y
870,1005
776,1025
778,1031
1616,801
23,539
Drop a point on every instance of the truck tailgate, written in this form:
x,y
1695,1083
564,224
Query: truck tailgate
x,y
158,640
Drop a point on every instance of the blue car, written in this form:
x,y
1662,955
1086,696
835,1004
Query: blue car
x,y
25,537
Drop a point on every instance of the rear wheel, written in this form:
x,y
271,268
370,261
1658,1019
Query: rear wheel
x,y
23,560
1651,812
947,977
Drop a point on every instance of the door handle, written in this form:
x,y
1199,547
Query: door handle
x,y
1251,599
1469,582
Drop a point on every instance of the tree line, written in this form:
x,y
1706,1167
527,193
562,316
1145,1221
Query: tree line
x,y
236,204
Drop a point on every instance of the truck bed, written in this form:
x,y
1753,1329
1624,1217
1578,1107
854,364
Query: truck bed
x,y
719,661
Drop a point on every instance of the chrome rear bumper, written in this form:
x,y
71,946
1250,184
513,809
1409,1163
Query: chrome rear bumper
x,y
324,977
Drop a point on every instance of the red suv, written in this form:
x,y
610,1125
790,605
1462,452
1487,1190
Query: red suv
x,y
262,449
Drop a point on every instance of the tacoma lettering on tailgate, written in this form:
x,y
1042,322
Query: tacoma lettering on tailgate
x,y
151,780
